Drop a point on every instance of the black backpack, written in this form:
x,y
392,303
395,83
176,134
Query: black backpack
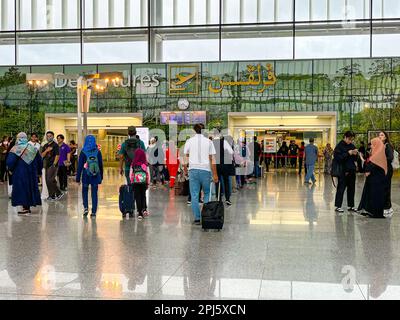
x,y
130,147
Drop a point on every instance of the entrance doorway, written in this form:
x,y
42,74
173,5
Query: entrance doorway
x,y
274,128
110,130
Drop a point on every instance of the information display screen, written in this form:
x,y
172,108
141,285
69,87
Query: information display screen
x,y
183,117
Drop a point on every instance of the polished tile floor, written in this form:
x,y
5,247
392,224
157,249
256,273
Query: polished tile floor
x,y
281,240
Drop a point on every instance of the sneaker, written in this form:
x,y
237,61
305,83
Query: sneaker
x,y
85,212
60,196
24,212
140,217
228,203
340,210
352,209
93,215
50,199
189,202
196,222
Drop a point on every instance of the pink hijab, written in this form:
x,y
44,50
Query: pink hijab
x,y
378,156
140,158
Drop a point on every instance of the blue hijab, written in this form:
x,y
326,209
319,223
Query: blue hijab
x,y
90,145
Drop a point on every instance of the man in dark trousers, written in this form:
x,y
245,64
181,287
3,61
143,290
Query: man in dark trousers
x,y
293,149
345,154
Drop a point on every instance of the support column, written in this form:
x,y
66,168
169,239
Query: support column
x,y
143,13
64,14
175,20
4,15
208,11
258,10
127,21
191,12
241,12
95,14
111,13
224,11
33,13
49,14
156,47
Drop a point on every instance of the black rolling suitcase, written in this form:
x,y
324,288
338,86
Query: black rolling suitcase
x,y
212,214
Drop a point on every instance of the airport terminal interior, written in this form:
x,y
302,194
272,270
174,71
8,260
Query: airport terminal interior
x,y
277,70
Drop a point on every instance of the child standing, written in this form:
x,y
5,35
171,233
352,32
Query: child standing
x,y
140,179
90,168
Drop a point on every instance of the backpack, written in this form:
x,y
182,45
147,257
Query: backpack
x,y
130,147
92,164
137,175
395,162
336,170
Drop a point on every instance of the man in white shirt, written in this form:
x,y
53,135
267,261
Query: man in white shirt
x,y
200,154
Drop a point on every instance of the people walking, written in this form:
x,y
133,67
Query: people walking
x,y
3,154
311,157
255,153
64,162
293,150
301,156
90,172
328,156
376,169
345,154
140,179
51,155
24,163
74,157
389,152
225,166
200,152
283,154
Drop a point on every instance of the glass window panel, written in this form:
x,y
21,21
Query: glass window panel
x,y
182,12
48,48
318,10
7,17
57,14
303,10
249,11
231,11
386,39
194,44
7,49
386,9
337,9
284,10
349,9
240,43
115,46
225,70
266,11
316,41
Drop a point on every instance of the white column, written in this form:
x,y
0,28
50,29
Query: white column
x,y
191,12
49,14
111,13
275,10
95,14
241,8
33,13
4,14
175,20
143,13
64,14
258,10
208,11
224,11
127,11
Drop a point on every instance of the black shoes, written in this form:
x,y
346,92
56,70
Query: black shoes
x,y
196,222
85,212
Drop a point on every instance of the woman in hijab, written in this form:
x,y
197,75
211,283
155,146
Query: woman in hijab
x,y
90,170
373,196
25,163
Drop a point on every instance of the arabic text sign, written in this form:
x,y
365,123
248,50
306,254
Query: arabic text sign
x,y
257,76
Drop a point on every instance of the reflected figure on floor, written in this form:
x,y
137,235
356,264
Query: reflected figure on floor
x,y
134,257
328,191
91,254
378,256
201,271
310,210
24,257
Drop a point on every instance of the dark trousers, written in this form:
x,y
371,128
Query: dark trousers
x,y
2,170
51,174
300,164
388,188
346,182
63,177
293,162
226,187
139,191
85,196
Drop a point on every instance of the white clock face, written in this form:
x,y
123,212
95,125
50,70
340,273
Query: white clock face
x,y
183,104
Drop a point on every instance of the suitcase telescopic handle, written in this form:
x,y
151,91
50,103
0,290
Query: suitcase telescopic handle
x,y
219,191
